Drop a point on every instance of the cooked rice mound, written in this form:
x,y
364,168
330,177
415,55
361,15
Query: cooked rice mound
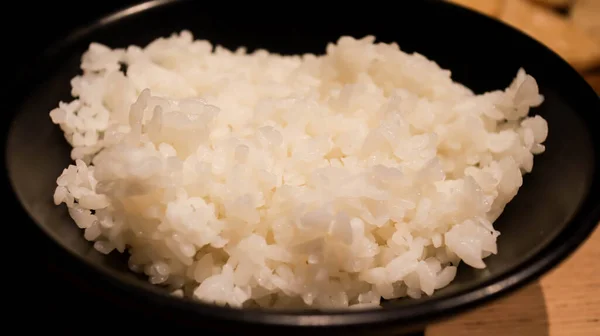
x,y
322,181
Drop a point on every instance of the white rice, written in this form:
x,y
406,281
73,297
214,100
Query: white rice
x,y
282,181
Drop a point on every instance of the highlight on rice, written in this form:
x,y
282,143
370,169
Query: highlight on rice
x,y
263,180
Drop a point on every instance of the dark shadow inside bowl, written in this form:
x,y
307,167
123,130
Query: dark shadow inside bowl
x,y
549,198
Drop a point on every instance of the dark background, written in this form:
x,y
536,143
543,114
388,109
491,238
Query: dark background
x,y
28,27
42,290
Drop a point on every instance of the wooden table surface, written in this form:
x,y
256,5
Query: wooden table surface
x,y
565,301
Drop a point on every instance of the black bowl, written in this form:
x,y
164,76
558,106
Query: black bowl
x,y
554,212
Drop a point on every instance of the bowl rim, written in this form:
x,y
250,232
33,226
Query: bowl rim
x,y
578,229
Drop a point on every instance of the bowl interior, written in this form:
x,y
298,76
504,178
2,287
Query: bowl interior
x,y
549,198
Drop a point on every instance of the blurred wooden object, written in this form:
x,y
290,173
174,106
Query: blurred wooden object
x,y
573,33
555,3
585,14
555,31
487,7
